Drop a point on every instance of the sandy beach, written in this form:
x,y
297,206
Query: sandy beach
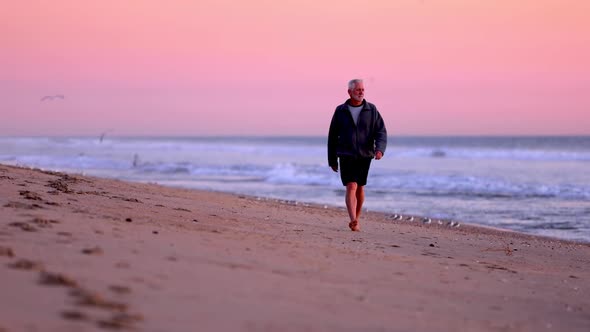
x,y
80,253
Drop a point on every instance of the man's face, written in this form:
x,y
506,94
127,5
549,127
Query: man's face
x,y
358,93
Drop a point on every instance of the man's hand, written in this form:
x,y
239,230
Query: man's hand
x,y
378,155
334,168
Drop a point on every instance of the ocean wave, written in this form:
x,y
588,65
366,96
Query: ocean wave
x,y
490,154
472,186
78,163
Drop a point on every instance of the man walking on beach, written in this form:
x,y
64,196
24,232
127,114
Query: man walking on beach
x,y
357,135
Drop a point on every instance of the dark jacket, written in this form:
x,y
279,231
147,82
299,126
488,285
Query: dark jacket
x,y
358,141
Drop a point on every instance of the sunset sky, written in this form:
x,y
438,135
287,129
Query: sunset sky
x,y
280,67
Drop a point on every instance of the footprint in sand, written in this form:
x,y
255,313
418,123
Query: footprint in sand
x,y
6,251
56,279
120,289
30,195
19,205
24,226
25,264
93,299
121,321
41,222
122,265
74,315
92,251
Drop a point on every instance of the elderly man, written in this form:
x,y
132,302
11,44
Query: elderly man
x,y
357,135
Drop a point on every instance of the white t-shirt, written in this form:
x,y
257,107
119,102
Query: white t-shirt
x,y
355,111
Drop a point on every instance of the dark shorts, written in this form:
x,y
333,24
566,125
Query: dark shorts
x,y
354,170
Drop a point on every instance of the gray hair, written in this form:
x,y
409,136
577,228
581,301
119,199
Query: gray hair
x,y
352,83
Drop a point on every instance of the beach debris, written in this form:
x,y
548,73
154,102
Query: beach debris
x,y
155,232
128,220
426,220
431,245
195,220
60,185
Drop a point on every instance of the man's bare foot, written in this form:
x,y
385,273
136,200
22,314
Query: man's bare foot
x,y
354,226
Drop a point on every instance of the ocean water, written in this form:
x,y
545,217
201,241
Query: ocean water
x,y
538,185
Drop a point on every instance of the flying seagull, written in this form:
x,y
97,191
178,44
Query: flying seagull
x,y
50,98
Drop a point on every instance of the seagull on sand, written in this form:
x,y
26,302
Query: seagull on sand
x,y
453,224
51,98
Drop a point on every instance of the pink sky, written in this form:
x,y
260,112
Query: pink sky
x,y
267,67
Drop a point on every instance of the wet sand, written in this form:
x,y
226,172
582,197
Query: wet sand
x,y
79,253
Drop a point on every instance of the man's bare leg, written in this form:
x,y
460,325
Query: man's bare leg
x,y
351,204
360,199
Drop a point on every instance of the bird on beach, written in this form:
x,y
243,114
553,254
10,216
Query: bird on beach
x,y
410,218
51,98
453,224
426,220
